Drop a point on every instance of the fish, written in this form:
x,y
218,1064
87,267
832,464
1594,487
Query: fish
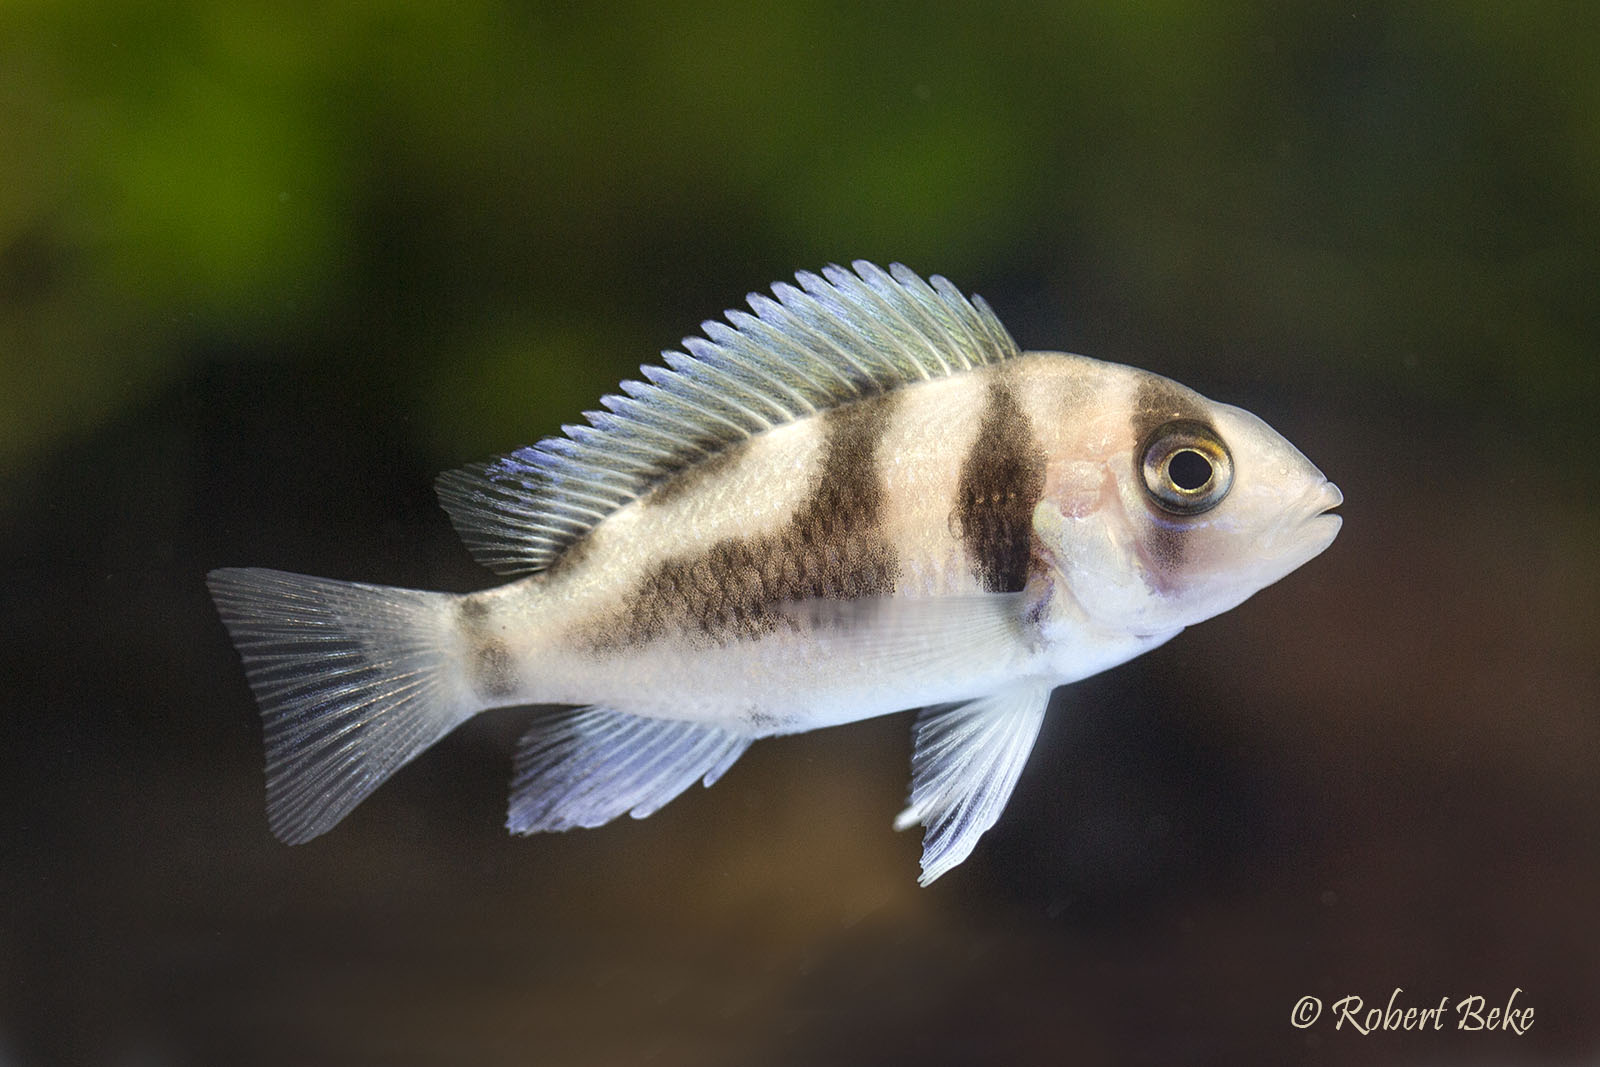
x,y
856,498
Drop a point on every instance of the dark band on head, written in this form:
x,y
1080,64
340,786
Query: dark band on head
x,y
1157,402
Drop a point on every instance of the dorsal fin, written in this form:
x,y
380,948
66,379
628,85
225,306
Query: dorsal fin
x,y
837,338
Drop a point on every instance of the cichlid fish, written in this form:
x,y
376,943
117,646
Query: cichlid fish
x,y
861,498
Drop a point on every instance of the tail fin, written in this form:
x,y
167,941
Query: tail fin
x,y
354,681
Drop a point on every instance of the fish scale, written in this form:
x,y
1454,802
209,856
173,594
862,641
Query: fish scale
x,y
860,497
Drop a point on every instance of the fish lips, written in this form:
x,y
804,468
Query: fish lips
x,y
1310,528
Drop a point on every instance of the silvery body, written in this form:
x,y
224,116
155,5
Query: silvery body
x,y
856,499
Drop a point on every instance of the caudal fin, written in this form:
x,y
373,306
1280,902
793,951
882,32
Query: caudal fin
x,y
354,681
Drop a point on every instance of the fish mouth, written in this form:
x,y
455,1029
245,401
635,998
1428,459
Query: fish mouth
x,y
1325,499
1322,518
1307,528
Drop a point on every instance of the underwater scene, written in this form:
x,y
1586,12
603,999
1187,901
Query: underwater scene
x,y
1057,712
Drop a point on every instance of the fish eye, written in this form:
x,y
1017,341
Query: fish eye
x,y
1186,467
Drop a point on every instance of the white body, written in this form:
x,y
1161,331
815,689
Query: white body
x,y
859,500
792,681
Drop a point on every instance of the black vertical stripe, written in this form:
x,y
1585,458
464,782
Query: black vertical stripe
x,y
1157,402
1002,479
491,670
833,547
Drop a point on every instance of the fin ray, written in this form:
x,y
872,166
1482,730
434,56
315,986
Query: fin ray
x,y
840,336
966,762
586,766
352,681
969,634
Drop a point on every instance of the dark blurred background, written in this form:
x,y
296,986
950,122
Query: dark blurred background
x,y
265,268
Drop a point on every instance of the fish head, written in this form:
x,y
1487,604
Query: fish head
x,y
1196,505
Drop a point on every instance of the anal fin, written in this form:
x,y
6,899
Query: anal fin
x,y
965,763
587,766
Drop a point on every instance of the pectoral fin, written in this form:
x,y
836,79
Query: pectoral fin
x,y
966,761
972,635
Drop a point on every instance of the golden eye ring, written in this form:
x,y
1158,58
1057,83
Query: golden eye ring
x,y
1187,469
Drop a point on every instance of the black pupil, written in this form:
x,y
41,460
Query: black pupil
x,y
1189,470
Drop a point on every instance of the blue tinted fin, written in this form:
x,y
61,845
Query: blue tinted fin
x,y
586,766
965,764
838,337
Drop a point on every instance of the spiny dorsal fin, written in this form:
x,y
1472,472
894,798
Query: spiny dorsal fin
x,y
839,337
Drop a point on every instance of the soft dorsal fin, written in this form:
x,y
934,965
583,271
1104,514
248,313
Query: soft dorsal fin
x,y
839,337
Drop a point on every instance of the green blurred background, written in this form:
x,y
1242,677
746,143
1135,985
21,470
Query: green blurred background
x,y
265,268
